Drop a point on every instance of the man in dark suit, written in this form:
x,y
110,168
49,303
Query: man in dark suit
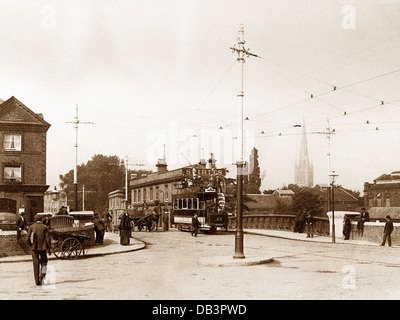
x,y
195,225
21,224
387,231
39,242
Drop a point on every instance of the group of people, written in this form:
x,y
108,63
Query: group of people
x,y
364,217
304,222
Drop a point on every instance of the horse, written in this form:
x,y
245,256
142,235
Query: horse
x,y
149,219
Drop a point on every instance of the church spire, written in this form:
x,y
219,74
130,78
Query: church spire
x,y
303,169
304,147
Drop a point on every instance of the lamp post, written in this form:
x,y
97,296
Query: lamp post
x,y
55,195
332,179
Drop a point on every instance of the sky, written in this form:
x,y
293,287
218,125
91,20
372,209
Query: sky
x,y
153,78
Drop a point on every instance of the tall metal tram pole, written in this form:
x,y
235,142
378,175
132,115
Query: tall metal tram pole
x,y
77,122
241,52
331,199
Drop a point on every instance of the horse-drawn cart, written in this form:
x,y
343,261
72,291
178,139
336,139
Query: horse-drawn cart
x,y
148,219
68,245
69,237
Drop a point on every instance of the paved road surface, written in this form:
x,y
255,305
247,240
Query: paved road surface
x,y
169,268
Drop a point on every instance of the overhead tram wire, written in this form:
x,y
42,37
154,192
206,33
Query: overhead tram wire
x,y
215,87
301,88
328,84
335,88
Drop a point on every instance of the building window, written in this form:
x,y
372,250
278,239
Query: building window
x,y
370,201
166,192
144,195
12,173
139,196
387,200
12,142
379,200
151,194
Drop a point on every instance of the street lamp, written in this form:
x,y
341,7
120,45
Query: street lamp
x,y
332,179
55,195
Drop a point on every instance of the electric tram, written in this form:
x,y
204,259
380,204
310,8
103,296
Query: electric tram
x,y
202,192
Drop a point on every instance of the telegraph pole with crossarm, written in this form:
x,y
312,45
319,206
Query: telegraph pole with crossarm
x,y
241,52
77,122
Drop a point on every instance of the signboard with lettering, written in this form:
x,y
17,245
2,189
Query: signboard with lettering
x,y
190,172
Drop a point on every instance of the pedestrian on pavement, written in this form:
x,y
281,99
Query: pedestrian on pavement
x,y
346,227
21,224
195,225
166,220
309,220
387,231
125,229
302,221
297,222
39,242
364,217
109,224
99,228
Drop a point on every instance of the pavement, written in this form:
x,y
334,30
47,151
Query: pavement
x,y
303,237
112,246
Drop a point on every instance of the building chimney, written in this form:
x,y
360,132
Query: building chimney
x,y
203,163
161,166
211,161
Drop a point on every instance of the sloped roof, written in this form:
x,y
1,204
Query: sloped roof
x,y
385,186
340,193
286,192
14,111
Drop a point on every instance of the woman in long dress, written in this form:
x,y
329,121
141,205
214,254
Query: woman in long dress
x,y
125,229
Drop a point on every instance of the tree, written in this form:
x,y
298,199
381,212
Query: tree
x,y
99,176
307,200
252,181
231,196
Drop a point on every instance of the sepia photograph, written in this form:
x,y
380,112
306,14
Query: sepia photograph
x,y
193,157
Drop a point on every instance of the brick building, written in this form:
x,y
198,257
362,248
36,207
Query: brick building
x,y
159,185
22,160
382,197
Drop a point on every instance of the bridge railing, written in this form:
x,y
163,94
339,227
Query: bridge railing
x,y
278,222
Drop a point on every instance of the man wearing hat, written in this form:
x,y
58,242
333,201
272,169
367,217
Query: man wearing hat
x,y
387,231
21,224
39,242
195,225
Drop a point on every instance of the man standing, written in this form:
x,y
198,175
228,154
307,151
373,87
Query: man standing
x,y
195,225
166,220
99,228
309,220
387,231
21,224
39,243
364,217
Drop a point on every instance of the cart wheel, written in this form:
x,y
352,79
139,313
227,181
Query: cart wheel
x,y
71,248
56,248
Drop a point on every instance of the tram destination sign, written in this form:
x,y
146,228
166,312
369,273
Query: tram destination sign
x,y
203,172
